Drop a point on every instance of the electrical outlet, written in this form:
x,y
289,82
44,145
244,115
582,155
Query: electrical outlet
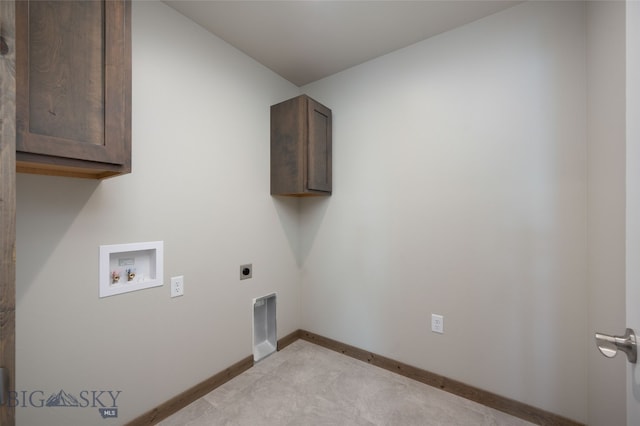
x,y
437,323
177,286
246,271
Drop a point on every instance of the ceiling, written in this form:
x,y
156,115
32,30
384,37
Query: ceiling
x,y
304,41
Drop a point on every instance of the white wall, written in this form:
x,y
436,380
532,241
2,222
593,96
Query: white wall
x,y
633,199
606,205
463,185
460,188
200,182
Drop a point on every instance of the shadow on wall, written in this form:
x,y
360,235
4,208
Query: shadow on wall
x,y
46,208
290,211
312,213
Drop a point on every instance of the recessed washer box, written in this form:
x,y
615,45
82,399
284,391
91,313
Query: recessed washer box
x,y
130,267
265,339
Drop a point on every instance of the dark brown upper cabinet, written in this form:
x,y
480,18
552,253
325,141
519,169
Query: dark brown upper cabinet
x,y
300,148
73,88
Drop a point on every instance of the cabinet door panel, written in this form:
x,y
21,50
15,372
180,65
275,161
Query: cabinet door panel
x,y
66,71
71,80
319,148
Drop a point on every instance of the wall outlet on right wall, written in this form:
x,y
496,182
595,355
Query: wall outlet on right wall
x,y
437,323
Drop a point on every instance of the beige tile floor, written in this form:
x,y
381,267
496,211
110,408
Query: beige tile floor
x,y
308,385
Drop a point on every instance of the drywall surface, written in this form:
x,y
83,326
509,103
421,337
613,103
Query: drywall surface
x,y
606,206
200,183
460,188
633,199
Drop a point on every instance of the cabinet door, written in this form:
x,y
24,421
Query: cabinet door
x,y
319,147
73,84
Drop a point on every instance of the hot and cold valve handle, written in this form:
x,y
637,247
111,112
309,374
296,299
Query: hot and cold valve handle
x,y
610,345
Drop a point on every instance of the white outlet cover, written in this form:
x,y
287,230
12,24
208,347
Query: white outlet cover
x,y
437,323
177,286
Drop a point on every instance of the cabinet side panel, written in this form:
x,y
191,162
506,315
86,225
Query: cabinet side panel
x,y
319,150
7,202
66,70
287,134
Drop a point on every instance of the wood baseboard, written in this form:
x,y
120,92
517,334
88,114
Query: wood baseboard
x,y
289,339
180,401
509,406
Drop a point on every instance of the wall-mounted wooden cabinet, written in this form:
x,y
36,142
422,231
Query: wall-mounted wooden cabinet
x,y
300,148
73,78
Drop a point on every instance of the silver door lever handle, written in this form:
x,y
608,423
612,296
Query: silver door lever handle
x,y
610,345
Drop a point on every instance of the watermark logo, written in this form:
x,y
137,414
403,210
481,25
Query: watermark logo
x,y
108,413
62,399
106,401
